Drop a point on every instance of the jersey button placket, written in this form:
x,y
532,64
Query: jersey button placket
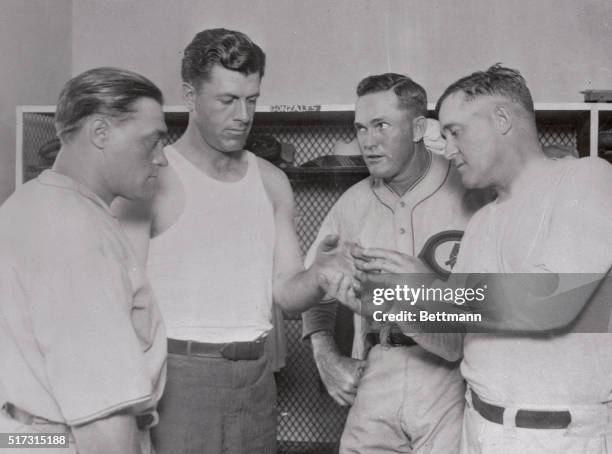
x,y
402,223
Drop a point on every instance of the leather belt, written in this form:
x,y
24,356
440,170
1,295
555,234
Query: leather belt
x,y
527,419
394,339
234,351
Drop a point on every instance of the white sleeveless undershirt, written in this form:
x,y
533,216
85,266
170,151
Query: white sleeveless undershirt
x,y
212,269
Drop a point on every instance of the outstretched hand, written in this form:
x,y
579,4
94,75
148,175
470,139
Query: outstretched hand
x,y
335,270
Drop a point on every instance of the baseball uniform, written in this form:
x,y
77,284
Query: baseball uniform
x,y
80,335
408,400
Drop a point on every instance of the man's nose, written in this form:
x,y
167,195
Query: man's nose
x,y
450,150
368,141
159,158
242,111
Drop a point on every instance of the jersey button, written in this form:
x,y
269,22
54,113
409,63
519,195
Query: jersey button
x,y
402,204
402,231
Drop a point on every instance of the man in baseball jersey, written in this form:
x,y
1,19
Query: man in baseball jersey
x,y
82,343
540,385
223,247
405,398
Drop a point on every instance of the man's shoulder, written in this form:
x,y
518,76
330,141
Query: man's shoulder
x,y
355,199
588,167
357,193
55,223
571,176
269,170
275,181
36,202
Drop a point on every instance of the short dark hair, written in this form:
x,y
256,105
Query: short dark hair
x,y
411,96
497,80
105,90
231,49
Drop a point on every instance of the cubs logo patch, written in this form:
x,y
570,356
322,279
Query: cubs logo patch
x,y
441,250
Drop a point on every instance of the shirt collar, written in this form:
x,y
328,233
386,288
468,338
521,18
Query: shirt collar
x,y
429,182
50,177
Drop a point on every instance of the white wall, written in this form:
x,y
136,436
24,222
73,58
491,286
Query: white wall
x,y
35,61
319,49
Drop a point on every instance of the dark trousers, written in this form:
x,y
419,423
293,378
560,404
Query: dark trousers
x,y
215,406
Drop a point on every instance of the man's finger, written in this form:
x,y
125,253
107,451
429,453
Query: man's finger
x,y
390,267
357,251
378,253
372,265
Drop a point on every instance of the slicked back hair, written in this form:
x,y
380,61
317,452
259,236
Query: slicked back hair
x,y
495,81
411,96
108,91
231,49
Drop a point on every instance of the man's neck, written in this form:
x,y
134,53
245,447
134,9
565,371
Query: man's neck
x,y
413,173
224,166
521,169
76,163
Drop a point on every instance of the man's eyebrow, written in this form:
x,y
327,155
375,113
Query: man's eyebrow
x,y
372,121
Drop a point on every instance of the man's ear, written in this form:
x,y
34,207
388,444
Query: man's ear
x,y
419,126
189,94
98,129
503,117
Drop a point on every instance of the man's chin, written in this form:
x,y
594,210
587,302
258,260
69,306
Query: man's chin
x,y
472,184
234,146
378,173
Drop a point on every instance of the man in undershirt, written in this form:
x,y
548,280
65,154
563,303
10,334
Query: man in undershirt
x,y
223,247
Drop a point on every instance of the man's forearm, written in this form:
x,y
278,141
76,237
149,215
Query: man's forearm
x,y
117,434
297,293
513,303
323,343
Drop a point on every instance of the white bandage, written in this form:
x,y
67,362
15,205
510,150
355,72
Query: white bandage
x,y
432,138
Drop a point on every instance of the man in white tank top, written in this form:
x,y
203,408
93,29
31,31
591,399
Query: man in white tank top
x,y
222,248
